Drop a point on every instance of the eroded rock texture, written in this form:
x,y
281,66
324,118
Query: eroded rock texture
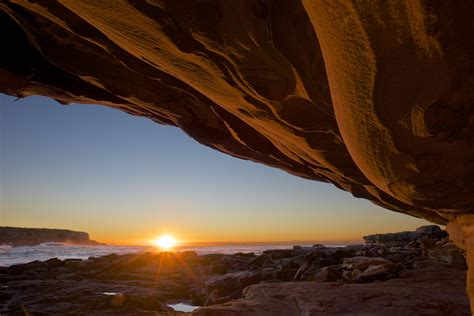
x,y
375,97
430,289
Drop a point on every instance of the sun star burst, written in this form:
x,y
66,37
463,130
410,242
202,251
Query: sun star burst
x,y
165,242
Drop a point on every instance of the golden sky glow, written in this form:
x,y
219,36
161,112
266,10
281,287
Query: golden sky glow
x,y
127,180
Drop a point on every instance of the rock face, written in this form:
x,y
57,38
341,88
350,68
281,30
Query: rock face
x,y
373,97
401,239
461,231
15,236
431,289
376,105
428,241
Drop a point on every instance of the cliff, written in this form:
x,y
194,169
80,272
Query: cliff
x,y
16,236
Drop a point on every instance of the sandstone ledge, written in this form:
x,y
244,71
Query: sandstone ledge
x,y
430,289
373,97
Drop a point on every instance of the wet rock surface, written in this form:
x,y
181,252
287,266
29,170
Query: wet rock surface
x,y
146,283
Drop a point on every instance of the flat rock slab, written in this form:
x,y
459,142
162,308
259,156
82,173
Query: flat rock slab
x,y
431,289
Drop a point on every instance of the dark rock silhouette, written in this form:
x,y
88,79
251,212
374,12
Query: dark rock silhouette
x,y
404,238
16,236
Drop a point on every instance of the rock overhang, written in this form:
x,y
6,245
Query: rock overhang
x,y
380,105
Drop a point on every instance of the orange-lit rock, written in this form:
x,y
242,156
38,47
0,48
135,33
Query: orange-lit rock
x,y
373,97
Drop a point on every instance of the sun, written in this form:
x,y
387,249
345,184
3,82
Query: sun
x,y
165,242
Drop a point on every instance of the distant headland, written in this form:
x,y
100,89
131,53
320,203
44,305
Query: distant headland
x,y
17,236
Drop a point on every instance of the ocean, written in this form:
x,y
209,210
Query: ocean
x,y
18,255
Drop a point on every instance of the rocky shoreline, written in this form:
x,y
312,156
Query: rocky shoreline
x,y
419,272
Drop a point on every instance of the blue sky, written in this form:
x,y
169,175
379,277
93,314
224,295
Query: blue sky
x,y
126,179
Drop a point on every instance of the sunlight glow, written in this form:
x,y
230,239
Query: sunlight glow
x,y
165,242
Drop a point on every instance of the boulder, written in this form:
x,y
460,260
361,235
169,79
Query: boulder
x,y
54,263
354,275
225,287
429,230
262,260
435,289
327,274
362,263
403,239
219,268
379,272
276,254
443,251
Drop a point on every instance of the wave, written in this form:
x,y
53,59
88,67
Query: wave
x,y
42,252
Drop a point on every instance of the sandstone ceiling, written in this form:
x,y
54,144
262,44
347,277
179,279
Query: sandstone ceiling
x,y
375,97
